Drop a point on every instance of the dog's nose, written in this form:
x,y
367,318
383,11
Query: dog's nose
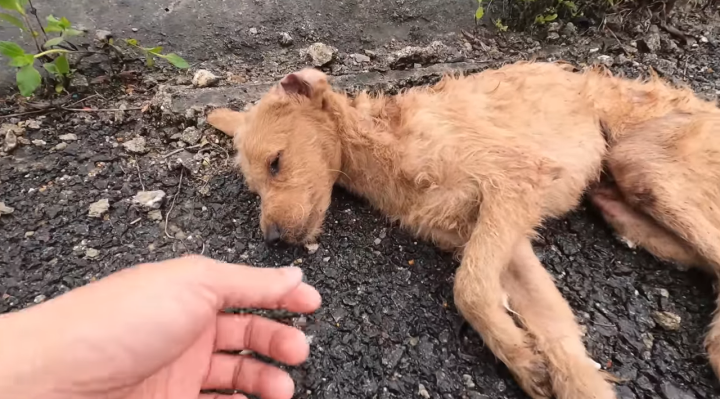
x,y
273,234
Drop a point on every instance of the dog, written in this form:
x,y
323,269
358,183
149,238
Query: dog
x,y
475,164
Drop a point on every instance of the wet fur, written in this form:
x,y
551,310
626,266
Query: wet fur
x,y
475,164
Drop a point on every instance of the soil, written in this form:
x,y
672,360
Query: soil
x,y
388,327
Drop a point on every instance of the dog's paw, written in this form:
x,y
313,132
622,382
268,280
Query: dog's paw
x,y
533,377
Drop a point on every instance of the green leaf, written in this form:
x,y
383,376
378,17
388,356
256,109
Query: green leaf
x,y
53,42
480,12
52,68
62,64
53,24
72,32
59,87
12,5
13,20
154,50
28,80
176,60
27,59
11,50
65,23
550,18
132,42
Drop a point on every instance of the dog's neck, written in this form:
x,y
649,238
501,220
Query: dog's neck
x,y
368,132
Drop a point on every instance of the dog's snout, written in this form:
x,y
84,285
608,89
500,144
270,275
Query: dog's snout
x,y
273,234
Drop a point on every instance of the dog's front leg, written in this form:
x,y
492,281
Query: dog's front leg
x,y
479,295
545,314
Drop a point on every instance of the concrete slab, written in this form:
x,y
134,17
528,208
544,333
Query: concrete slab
x,y
200,30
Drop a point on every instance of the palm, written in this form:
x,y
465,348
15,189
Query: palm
x,y
155,332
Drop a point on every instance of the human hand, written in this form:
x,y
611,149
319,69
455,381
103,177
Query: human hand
x,y
153,332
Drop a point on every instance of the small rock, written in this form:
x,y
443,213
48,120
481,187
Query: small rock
x,y
663,292
285,39
136,145
205,78
10,141
102,35
468,381
553,27
97,209
477,395
605,60
651,41
60,147
321,54
468,46
670,391
79,80
5,210
39,143
92,253
422,391
68,137
703,39
622,59
648,340
667,320
360,58
312,248
32,124
149,199
377,241
668,45
569,30
191,135
253,31
134,29
155,214
665,67
437,51
183,80
553,36
40,298
29,234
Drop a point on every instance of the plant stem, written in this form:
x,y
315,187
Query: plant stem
x,y
33,11
30,29
53,51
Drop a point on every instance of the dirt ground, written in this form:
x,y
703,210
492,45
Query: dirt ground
x,y
388,327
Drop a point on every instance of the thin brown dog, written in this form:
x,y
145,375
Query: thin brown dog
x,y
475,164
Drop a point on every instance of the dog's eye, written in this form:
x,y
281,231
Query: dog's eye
x,y
275,165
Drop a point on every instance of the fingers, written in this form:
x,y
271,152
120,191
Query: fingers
x,y
264,288
248,375
258,334
219,396
254,287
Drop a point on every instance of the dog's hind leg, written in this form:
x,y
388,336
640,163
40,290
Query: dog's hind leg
x,y
642,230
542,310
669,169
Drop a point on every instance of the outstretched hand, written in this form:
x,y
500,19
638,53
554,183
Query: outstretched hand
x,y
154,331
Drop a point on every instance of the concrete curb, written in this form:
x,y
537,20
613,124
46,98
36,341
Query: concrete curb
x,y
178,99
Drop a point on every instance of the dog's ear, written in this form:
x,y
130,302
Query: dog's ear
x,y
308,82
227,121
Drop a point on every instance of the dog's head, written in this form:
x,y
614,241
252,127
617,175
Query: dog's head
x,y
289,153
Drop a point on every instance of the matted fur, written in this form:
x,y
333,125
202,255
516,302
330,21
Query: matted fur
x,y
475,164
